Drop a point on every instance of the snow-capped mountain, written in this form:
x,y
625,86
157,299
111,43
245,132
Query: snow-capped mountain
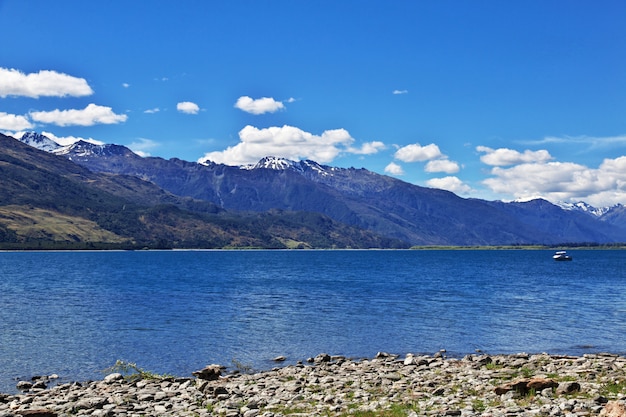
x,y
587,208
39,141
361,198
82,149
281,164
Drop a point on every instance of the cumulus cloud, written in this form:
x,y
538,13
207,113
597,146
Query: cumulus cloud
x,y
368,148
14,122
152,111
452,184
258,106
442,165
563,181
187,107
286,141
394,169
89,116
396,92
417,153
504,156
41,84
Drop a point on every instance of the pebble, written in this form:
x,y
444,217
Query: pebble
x,y
432,385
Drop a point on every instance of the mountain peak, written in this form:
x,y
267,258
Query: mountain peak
x,y
274,162
39,141
584,207
87,149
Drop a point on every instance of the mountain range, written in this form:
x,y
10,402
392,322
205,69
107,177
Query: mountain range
x,y
356,198
50,202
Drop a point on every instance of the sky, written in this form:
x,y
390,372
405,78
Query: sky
x,y
498,100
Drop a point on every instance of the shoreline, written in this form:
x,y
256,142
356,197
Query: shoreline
x,y
387,385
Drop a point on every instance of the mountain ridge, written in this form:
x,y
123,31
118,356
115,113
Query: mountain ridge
x,y
360,198
50,202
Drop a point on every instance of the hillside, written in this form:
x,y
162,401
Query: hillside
x,y
47,201
359,198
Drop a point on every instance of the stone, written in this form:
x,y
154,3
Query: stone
x,y
109,379
341,387
614,409
322,357
279,359
209,373
24,385
43,412
567,388
525,385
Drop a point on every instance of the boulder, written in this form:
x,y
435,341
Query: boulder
x,y
614,409
322,357
525,385
209,373
568,388
24,385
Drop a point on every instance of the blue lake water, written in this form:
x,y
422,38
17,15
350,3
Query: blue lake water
x,y
76,313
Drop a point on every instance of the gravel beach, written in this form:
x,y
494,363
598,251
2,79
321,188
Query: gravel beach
x,y
387,385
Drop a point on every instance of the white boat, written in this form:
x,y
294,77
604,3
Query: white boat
x,y
561,256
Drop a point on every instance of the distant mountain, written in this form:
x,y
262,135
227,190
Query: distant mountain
x,y
49,202
586,208
40,141
359,198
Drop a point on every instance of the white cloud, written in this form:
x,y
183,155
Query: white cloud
x,y
563,181
442,165
152,111
287,142
68,140
187,107
452,184
368,148
89,116
417,153
143,146
396,92
594,142
394,169
14,122
125,85
258,106
41,84
504,156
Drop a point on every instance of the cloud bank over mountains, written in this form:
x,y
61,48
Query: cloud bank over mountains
x,y
508,173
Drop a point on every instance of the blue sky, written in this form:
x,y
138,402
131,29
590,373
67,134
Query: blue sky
x,y
489,99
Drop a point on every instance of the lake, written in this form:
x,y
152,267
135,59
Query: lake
x,y
76,313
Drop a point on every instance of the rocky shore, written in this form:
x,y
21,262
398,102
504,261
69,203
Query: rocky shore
x,y
387,385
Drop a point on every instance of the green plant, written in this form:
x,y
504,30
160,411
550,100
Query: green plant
x,y
395,410
613,388
132,372
479,405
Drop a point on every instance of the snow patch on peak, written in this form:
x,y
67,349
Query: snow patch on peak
x,y
317,168
584,207
83,149
39,141
273,162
